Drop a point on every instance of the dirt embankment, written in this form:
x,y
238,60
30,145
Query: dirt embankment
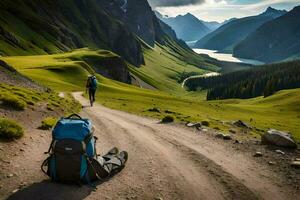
x,y
165,162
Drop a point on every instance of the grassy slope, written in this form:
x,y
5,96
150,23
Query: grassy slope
x,y
66,72
61,72
53,102
164,66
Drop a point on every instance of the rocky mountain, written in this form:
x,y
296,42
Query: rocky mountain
x,y
138,16
53,26
229,35
187,27
275,40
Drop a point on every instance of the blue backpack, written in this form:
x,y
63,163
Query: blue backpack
x,y
72,148
93,82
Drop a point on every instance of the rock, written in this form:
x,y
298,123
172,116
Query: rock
x,y
227,137
204,130
158,198
241,124
295,164
271,163
297,159
223,136
15,191
9,175
280,152
197,125
278,138
22,150
237,142
154,110
258,154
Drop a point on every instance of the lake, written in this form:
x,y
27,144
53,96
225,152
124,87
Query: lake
x,y
226,57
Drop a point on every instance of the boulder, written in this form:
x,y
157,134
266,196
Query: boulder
x,y
258,154
197,125
241,124
227,137
295,164
271,163
223,136
280,152
278,138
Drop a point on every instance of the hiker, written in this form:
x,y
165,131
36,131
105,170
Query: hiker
x,y
91,86
73,157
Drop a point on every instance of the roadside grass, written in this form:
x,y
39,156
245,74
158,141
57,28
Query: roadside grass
x,y
10,130
12,101
48,123
18,98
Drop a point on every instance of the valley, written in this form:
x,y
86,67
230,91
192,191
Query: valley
x,y
192,120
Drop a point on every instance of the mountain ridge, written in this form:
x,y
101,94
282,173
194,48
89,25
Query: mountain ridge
x,y
187,27
227,36
274,41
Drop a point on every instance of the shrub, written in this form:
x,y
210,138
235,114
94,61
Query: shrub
x,y
205,123
168,119
10,129
48,123
12,101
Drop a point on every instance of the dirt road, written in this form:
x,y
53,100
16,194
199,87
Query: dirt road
x,y
165,162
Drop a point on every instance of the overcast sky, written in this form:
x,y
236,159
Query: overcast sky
x,y
219,10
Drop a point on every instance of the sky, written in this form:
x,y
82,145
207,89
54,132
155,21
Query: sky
x,y
219,10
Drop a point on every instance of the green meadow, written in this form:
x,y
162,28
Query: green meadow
x,y
68,72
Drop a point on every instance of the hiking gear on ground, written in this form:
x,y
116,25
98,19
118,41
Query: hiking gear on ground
x,y
108,165
73,156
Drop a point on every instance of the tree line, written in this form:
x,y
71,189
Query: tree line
x,y
258,81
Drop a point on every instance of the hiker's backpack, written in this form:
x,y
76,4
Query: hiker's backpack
x,y
72,150
93,82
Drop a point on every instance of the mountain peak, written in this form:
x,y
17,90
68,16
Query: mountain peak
x,y
189,15
271,9
272,12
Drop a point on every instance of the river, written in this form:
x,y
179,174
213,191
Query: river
x,y
209,74
226,57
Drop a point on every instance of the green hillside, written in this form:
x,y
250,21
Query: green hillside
x,y
66,72
34,27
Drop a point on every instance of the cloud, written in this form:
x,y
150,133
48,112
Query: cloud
x,y
173,3
220,10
